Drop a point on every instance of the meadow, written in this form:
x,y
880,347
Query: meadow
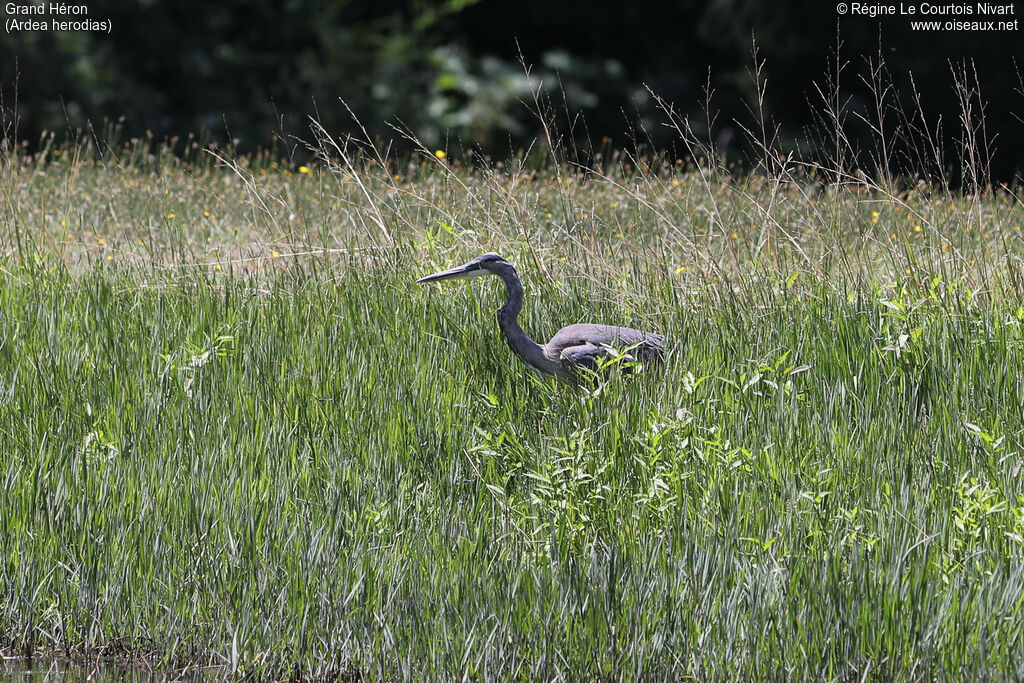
x,y
237,438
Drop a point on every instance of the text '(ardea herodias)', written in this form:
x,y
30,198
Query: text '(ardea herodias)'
x,y
573,347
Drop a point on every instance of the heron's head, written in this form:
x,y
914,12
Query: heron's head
x,y
488,264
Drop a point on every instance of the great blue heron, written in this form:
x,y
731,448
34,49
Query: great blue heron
x,y
573,347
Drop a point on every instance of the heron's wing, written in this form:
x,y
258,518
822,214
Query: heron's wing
x,y
648,346
581,356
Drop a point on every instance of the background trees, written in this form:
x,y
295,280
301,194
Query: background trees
x,y
453,71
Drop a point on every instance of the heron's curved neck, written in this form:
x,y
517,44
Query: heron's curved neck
x,y
528,350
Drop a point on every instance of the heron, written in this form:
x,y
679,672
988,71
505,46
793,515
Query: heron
x,y
574,347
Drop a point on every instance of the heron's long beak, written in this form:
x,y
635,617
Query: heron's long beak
x,y
465,272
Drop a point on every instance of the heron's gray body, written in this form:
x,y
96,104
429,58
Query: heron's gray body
x,y
573,347
584,341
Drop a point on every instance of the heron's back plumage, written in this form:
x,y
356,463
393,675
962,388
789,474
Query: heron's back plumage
x,y
583,344
611,335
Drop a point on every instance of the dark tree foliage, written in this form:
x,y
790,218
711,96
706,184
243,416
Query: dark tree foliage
x,y
453,72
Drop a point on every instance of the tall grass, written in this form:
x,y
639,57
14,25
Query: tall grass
x,y
234,432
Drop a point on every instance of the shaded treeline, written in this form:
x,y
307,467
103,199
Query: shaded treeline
x,y
452,71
